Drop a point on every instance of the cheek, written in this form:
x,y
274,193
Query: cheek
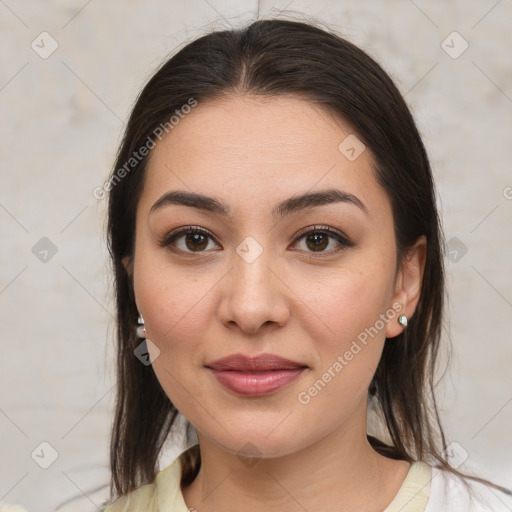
x,y
348,302
177,310
173,299
347,357
353,309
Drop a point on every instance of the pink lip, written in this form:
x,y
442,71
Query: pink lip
x,y
255,376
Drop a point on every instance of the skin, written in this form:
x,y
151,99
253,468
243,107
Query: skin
x,y
305,305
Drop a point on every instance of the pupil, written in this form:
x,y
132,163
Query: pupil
x,y
196,237
317,238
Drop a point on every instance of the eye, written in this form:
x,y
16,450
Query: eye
x,y
194,239
318,239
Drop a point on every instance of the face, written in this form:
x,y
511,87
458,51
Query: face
x,y
312,281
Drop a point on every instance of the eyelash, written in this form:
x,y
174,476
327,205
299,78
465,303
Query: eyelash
x,y
169,238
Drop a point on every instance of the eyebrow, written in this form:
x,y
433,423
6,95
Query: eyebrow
x,y
292,204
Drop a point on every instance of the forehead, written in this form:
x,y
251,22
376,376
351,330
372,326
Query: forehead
x,y
257,150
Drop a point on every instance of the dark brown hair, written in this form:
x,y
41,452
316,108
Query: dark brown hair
x,y
271,58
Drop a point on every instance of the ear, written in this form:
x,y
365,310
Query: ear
x,y
408,285
128,265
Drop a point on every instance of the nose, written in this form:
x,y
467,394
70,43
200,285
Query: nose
x,y
254,297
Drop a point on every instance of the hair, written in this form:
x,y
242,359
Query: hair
x,y
270,58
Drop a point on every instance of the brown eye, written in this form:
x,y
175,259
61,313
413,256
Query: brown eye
x,y
188,240
196,241
317,240
191,240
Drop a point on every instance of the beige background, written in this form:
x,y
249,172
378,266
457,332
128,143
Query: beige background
x,y
61,120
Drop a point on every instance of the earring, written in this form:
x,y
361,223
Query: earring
x,y
402,320
141,329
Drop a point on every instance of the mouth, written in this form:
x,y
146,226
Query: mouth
x,y
255,376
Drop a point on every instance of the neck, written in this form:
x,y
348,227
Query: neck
x,y
339,472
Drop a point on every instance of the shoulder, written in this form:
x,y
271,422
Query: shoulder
x,y
164,493
450,493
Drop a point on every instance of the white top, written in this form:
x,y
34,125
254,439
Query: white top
x,y
425,489
449,494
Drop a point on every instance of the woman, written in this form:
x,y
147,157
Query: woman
x,y
278,268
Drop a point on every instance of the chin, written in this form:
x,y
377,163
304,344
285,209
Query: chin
x,y
249,441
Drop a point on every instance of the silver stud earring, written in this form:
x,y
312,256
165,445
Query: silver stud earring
x,y
141,329
402,320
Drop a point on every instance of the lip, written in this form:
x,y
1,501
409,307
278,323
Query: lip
x,y
255,376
